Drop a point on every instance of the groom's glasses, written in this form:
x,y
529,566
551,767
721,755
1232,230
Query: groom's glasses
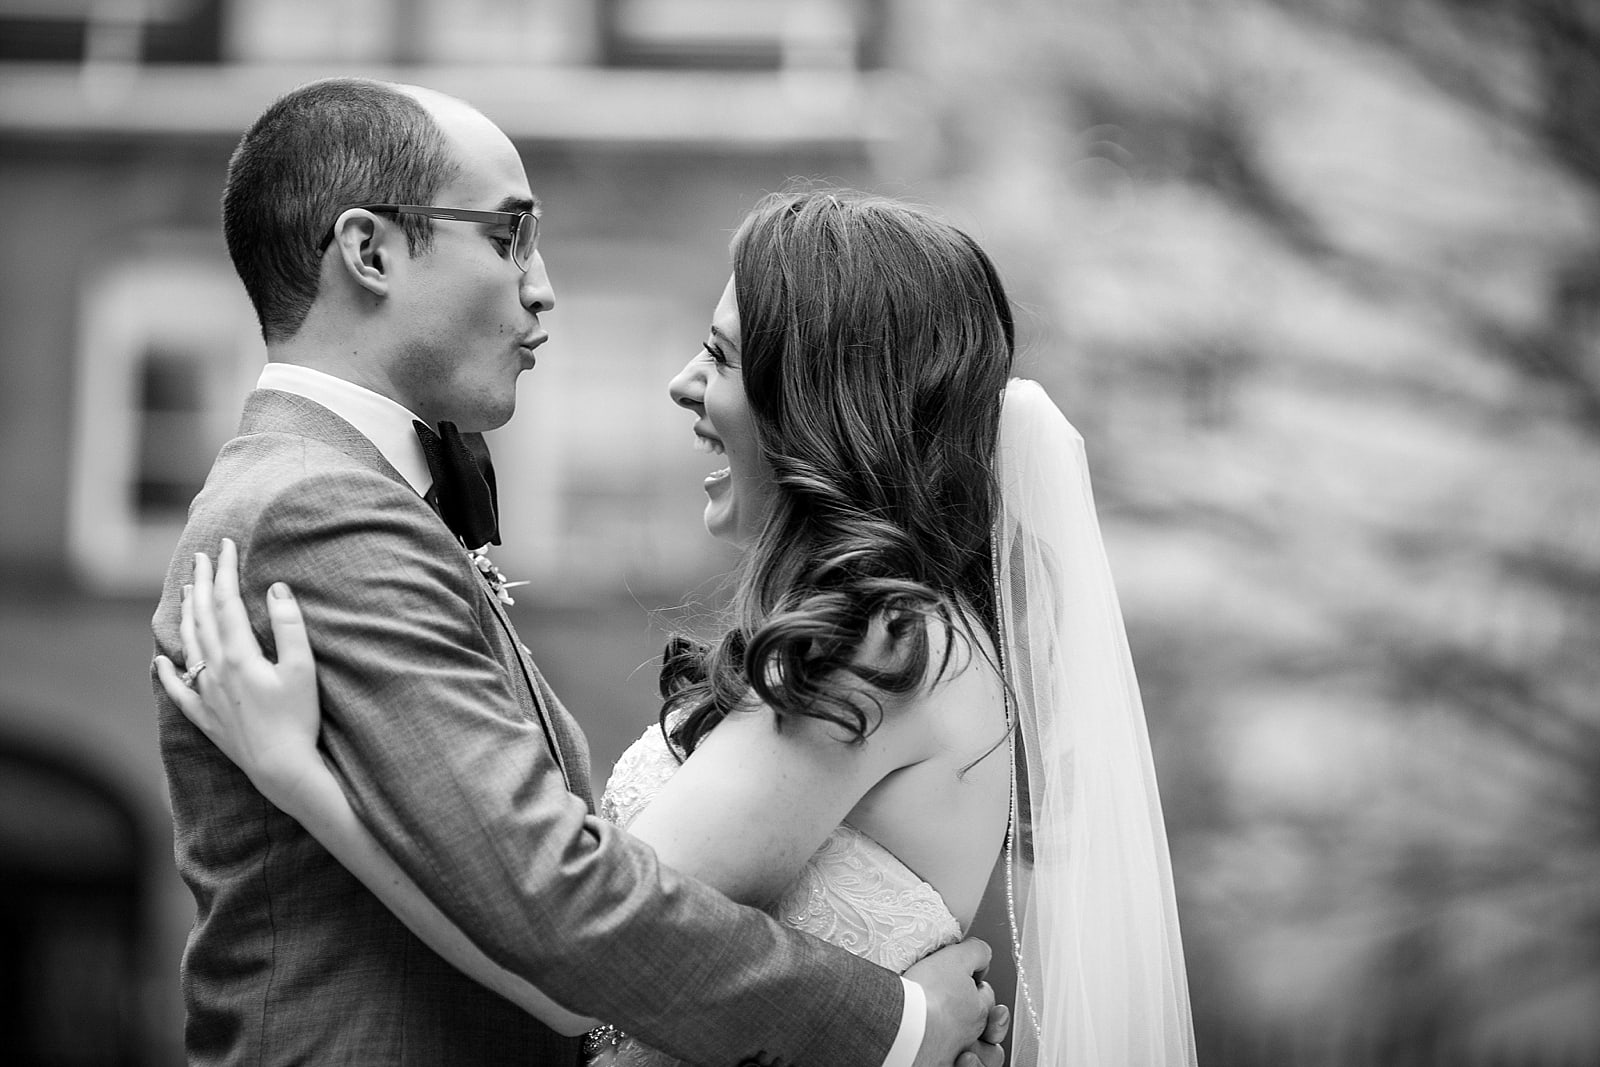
x,y
524,225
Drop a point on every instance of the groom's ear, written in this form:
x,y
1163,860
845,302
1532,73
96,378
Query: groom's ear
x,y
364,249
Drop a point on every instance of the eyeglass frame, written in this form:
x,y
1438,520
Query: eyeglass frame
x,y
514,219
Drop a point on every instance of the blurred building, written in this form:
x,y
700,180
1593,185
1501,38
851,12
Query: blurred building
x,y
126,347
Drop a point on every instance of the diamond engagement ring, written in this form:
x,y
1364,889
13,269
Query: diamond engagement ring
x,y
188,677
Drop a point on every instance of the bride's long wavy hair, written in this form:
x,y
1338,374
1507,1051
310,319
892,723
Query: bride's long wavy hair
x,y
876,341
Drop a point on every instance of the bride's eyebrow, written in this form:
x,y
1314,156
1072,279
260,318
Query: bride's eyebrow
x,y
724,338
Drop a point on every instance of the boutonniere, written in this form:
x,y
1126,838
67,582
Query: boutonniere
x,y
492,574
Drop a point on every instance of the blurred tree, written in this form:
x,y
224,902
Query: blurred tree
x,y
1320,281
1531,68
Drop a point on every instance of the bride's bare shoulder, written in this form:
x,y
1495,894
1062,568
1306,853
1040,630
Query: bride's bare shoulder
x,y
960,692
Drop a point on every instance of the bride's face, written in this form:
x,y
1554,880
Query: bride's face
x,y
711,385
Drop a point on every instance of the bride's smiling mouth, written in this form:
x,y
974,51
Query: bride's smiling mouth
x,y
704,442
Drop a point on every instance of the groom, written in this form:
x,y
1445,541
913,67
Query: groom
x,y
387,237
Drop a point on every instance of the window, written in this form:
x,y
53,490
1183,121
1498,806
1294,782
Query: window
x,y
740,34
155,31
168,350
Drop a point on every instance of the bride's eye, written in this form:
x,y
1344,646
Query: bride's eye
x,y
718,357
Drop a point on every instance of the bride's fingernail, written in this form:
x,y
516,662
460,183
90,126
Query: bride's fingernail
x,y
280,591
187,589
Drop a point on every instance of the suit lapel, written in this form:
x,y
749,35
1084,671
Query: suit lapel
x,y
557,728
273,411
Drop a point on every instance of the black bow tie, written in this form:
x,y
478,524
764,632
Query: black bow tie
x,y
463,490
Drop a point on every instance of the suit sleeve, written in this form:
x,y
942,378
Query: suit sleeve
x,y
425,732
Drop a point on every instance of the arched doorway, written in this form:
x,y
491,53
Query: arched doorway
x,y
72,903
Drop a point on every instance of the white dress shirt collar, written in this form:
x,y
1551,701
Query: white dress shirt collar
x,y
382,421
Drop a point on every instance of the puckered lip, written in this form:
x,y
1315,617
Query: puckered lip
x,y
532,340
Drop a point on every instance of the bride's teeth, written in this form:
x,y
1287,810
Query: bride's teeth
x,y
706,444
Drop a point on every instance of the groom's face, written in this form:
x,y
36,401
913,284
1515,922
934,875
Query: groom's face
x,y
470,316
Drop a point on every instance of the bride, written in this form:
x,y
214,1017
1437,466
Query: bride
x,y
923,670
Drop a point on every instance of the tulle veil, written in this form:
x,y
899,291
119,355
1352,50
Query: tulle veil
x,y
1100,973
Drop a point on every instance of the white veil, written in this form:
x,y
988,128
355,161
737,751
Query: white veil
x,y
1100,976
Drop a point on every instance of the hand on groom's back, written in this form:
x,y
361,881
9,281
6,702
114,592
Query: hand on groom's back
x,y
965,1025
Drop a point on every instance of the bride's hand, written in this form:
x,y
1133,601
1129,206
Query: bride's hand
x,y
264,716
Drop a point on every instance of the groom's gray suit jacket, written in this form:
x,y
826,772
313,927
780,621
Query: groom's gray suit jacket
x,y
470,772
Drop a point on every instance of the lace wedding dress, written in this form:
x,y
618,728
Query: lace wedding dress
x,y
853,892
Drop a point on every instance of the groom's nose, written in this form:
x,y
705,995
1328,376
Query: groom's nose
x,y
535,290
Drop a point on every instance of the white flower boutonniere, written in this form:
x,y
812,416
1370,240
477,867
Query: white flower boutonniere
x,y
492,574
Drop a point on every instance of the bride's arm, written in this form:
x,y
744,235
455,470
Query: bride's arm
x,y
265,717
315,800
752,803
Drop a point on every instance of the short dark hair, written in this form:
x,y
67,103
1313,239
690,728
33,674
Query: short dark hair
x,y
317,150
875,344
